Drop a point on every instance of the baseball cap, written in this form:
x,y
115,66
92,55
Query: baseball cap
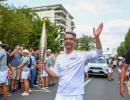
x,y
25,51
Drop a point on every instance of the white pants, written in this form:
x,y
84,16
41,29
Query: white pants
x,y
25,74
69,97
3,76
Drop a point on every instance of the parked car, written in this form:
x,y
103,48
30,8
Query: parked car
x,y
98,67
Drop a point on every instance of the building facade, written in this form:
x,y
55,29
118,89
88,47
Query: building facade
x,y
58,15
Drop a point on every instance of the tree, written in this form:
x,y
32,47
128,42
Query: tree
x,y
122,49
127,40
85,43
23,26
52,34
15,26
124,46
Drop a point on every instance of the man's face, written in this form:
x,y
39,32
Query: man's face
x,y
69,41
48,53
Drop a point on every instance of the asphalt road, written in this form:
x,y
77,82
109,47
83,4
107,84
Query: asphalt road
x,y
102,89
97,88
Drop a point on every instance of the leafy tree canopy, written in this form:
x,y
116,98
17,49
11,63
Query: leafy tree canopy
x,y
23,26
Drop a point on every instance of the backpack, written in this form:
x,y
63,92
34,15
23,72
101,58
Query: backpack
x,y
30,64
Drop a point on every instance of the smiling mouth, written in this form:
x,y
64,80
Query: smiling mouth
x,y
68,46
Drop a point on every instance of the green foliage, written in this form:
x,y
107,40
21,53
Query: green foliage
x,y
15,26
52,34
51,31
122,49
85,43
127,40
23,26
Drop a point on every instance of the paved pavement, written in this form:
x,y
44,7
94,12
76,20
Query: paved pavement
x,y
100,88
36,94
97,88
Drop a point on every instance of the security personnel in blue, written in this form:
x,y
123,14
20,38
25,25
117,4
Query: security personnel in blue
x,y
69,67
123,72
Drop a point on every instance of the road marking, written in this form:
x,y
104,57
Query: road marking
x,y
87,81
46,90
38,90
42,90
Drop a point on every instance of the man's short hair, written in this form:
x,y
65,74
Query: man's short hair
x,y
72,33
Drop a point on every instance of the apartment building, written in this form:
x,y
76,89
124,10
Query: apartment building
x,y
57,14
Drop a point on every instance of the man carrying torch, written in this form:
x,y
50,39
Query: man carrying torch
x,y
69,67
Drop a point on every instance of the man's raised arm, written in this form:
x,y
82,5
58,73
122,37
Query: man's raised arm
x,y
97,34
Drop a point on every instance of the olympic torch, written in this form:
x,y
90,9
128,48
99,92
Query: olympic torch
x,y
43,43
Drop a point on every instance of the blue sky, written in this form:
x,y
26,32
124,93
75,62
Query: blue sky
x,y
89,13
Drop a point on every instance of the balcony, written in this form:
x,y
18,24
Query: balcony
x,y
60,18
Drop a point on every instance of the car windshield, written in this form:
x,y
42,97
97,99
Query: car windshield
x,y
97,61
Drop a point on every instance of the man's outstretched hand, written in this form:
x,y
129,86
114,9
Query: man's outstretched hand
x,y
97,31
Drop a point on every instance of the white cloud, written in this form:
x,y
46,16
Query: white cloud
x,y
118,26
114,11
87,7
82,29
114,2
22,2
114,33
83,6
111,40
95,8
28,3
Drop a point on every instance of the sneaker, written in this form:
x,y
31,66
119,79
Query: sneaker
x,y
30,90
43,88
46,87
25,94
9,94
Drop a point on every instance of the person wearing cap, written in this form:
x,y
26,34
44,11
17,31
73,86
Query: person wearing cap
x,y
25,71
50,60
3,70
69,67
